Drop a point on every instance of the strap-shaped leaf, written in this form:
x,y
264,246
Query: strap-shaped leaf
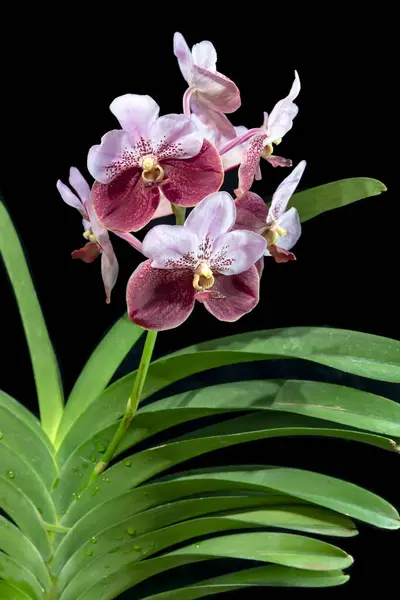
x,y
20,577
318,200
25,415
265,576
14,543
44,362
279,548
235,510
24,513
9,592
98,371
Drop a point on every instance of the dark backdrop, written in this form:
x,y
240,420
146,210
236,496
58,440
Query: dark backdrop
x,y
59,81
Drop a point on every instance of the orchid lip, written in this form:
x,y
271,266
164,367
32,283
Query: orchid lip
x,y
152,170
89,235
203,278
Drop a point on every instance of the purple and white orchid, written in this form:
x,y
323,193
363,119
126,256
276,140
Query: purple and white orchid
x,y
210,94
252,145
202,260
280,227
98,240
131,164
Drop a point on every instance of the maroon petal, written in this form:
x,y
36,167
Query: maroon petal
x,y
251,212
159,299
88,253
279,161
126,203
191,180
238,295
280,255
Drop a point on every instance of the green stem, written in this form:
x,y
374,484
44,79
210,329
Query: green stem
x,y
55,528
180,213
131,407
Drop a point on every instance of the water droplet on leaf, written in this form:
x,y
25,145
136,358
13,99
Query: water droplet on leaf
x,y
11,474
100,447
94,540
95,491
89,553
1,435
76,496
131,531
93,459
127,462
113,550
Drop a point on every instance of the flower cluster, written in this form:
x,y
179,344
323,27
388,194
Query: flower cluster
x,y
153,166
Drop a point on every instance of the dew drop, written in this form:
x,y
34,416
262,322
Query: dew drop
x,y
131,531
76,496
93,459
89,553
137,548
1,435
94,540
100,447
121,537
127,462
113,550
10,474
95,491
64,511
106,566
106,480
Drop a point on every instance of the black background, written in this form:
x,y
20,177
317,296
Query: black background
x,y
59,78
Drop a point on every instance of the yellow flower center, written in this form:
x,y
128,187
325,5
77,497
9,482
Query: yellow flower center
x,y
273,232
152,171
89,235
269,149
203,278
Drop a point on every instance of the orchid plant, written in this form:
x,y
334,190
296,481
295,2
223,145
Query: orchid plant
x,y
86,515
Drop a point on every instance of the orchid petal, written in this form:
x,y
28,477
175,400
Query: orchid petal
x,y
250,163
251,212
100,233
236,295
280,254
159,299
212,124
112,156
135,113
70,198
215,215
219,92
171,247
109,272
284,192
131,239
279,161
235,251
290,222
164,208
184,56
79,183
189,181
88,253
235,156
204,55
280,120
175,136
126,203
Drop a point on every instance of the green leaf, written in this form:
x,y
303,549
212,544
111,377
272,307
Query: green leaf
x,y
19,438
23,414
231,511
44,362
265,576
318,200
15,544
24,513
20,577
98,371
9,592
279,548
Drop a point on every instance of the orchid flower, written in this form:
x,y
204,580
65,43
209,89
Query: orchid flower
x,y
210,94
98,240
280,227
201,260
258,143
131,164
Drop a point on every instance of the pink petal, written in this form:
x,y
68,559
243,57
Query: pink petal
x,y
164,208
235,251
213,125
190,180
251,212
100,233
131,239
88,253
279,161
171,247
135,113
159,299
204,55
175,136
184,56
234,157
215,215
284,192
126,203
113,155
280,120
71,199
79,183
280,255
290,221
217,91
250,163
109,272
239,294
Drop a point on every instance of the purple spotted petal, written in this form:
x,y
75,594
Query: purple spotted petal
x,y
235,251
284,192
211,218
251,212
250,162
171,247
112,156
175,136
237,295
